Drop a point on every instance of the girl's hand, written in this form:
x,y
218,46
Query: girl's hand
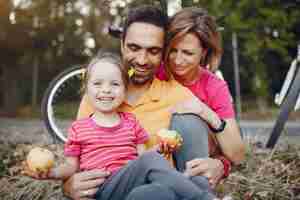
x,y
165,148
41,175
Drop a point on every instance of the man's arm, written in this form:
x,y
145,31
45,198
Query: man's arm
x,y
84,185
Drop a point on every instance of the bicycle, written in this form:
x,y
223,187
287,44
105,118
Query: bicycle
x,y
288,99
55,99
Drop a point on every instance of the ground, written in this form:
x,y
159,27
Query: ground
x,y
264,175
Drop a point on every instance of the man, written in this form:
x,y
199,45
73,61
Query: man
x,y
151,101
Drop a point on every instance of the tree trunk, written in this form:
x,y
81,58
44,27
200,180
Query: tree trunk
x,y
35,78
10,90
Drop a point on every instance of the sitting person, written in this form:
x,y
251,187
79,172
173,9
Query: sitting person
x,y
151,99
193,46
114,141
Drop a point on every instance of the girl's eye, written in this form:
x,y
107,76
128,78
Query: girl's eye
x,y
116,84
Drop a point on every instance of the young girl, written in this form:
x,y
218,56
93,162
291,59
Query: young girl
x,y
113,140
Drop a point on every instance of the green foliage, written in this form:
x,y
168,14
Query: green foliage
x,y
263,27
56,32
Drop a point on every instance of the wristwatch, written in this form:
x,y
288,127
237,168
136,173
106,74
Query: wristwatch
x,y
220,128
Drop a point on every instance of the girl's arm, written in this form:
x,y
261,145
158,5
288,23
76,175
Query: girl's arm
x,y
65,170
141,149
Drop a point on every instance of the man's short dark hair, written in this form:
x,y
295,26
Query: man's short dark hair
x,y
145,14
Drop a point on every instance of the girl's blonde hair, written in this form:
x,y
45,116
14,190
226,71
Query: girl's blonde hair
x,y
110,57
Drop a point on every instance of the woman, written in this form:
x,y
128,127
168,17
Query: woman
x,y
193,51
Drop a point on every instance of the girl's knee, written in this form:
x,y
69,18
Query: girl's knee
x,y
150,158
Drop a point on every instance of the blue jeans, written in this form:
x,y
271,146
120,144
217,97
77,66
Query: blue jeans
x,y
151,168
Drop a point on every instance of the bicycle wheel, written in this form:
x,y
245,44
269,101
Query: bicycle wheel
x,y
61,101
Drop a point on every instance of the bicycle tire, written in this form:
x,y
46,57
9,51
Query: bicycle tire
x,y
49,99
285,109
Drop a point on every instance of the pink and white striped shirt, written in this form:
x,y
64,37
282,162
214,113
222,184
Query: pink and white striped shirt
x,y
108,148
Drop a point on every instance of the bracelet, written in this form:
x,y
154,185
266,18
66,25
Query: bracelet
x,y
226,166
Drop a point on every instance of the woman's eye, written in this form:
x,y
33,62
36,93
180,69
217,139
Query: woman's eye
x,y
188,53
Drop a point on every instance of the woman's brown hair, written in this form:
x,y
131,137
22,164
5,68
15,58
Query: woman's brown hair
x,y
198,21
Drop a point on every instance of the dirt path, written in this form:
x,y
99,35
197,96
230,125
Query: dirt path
x,y
23,131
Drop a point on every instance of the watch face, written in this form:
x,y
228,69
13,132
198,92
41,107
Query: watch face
x,y
220,128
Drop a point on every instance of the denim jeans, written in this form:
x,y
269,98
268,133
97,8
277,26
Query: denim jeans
x,y
151,168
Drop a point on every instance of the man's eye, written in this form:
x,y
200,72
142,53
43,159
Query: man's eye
x,y
155,51
133,47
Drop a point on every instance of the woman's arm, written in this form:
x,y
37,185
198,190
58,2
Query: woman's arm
x,y
229,140
231,143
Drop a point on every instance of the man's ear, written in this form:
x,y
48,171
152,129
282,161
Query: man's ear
x,y
122,46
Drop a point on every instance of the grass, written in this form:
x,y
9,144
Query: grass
x,y
264,175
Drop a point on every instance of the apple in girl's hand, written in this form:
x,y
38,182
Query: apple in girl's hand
x,y
40,160
170,137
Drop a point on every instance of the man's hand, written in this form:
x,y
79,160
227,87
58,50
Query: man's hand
x,y
211,168
84,185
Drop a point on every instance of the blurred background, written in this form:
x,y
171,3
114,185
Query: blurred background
x,y
41,38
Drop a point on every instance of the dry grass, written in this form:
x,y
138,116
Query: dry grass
x,y
268,175
265,175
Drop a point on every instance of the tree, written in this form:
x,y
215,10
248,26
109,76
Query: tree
x,y
266,32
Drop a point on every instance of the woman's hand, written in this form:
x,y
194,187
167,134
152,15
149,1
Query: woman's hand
x,y
84,185
193,105
211,168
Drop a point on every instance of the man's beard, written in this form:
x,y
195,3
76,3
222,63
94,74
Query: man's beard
x,y
141,80
135,78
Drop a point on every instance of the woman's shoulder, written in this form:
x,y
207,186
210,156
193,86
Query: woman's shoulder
x,y
209,79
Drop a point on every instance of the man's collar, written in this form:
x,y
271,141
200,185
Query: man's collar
x,y
155,90
153,93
